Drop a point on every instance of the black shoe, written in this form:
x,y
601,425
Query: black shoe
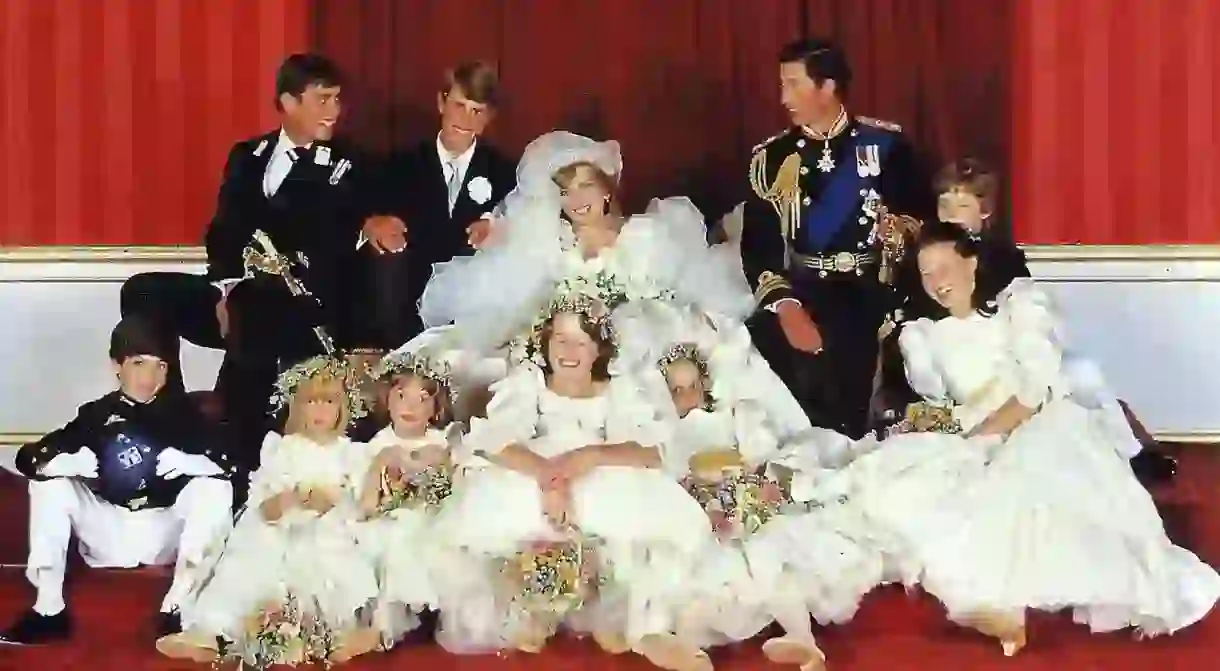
x,y
34,628
1154,468
168,624
425,632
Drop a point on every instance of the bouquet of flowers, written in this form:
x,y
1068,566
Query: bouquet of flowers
x,y
546,582
926,417
738,501
425,488
282,633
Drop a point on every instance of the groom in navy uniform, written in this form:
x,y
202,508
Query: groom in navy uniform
x,y
296,185
829,197
433,202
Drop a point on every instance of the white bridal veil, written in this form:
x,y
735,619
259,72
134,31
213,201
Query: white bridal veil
x,y
662,254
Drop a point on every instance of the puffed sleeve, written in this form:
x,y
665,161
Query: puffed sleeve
x,y
919,362
271,478
512,417
632,415
1035,342
707,277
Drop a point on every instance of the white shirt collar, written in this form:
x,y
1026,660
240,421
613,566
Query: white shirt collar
x,y
461,160
284,143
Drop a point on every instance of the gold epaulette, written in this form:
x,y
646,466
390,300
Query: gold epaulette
x,y
879,123
763,145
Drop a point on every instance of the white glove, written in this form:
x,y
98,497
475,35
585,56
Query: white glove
x,y
173,463
79,464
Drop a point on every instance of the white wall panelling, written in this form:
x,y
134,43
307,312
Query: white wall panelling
x,y
1148,315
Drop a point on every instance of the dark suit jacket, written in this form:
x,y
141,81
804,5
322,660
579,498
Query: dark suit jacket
x,y
314,217
411,186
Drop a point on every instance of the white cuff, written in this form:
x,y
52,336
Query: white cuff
x,y
362,240
226,286
773,308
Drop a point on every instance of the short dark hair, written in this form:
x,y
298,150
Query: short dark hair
x,y
985,286
135,336
974,177
300,71
823,59
477,80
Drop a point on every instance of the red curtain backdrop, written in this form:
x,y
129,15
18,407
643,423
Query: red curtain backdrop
x,y
1115,121
116,115
687,86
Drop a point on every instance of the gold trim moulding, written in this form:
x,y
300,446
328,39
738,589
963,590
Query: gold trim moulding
x,y
1140,253
1066,253
104,254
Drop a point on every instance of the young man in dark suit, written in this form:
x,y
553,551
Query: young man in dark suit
x,y
295,185
433,202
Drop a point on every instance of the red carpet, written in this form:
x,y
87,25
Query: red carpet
x,y
893,631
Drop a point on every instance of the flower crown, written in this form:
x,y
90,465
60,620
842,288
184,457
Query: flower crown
x,y
290,380
690,352
438,371
595,298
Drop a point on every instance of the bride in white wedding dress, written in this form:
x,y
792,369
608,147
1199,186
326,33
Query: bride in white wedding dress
x,y
563,229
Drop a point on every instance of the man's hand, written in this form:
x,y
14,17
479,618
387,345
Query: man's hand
x,y
386,234
79,464
222,314
800,331
478,232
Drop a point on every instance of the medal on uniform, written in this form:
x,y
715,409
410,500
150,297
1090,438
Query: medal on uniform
x,y
827,162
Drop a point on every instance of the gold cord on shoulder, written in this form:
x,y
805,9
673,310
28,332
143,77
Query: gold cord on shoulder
x,y
783,193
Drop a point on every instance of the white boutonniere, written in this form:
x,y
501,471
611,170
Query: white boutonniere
x,y
479,189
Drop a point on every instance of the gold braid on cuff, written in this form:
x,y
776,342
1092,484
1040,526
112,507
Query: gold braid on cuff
x,y
768,283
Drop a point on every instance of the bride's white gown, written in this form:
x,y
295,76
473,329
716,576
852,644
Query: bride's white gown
x,y
1051,517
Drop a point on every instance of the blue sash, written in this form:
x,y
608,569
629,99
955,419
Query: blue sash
x,y
840,200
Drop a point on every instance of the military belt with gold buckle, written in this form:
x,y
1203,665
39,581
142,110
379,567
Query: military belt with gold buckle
x,y
842,263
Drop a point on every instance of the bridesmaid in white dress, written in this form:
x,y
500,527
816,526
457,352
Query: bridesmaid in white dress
x,y
568,453
290,585
774,559
407,480
1020,500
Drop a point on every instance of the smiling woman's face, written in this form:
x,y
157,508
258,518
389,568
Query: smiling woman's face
x,y
584,192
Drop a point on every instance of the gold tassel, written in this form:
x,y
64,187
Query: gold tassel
x,y
783,193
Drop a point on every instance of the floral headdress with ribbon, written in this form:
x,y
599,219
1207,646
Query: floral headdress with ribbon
x,y
414,363
593,297
689,351
320,366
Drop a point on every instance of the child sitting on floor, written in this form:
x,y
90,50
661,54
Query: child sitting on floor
x,y
135,477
